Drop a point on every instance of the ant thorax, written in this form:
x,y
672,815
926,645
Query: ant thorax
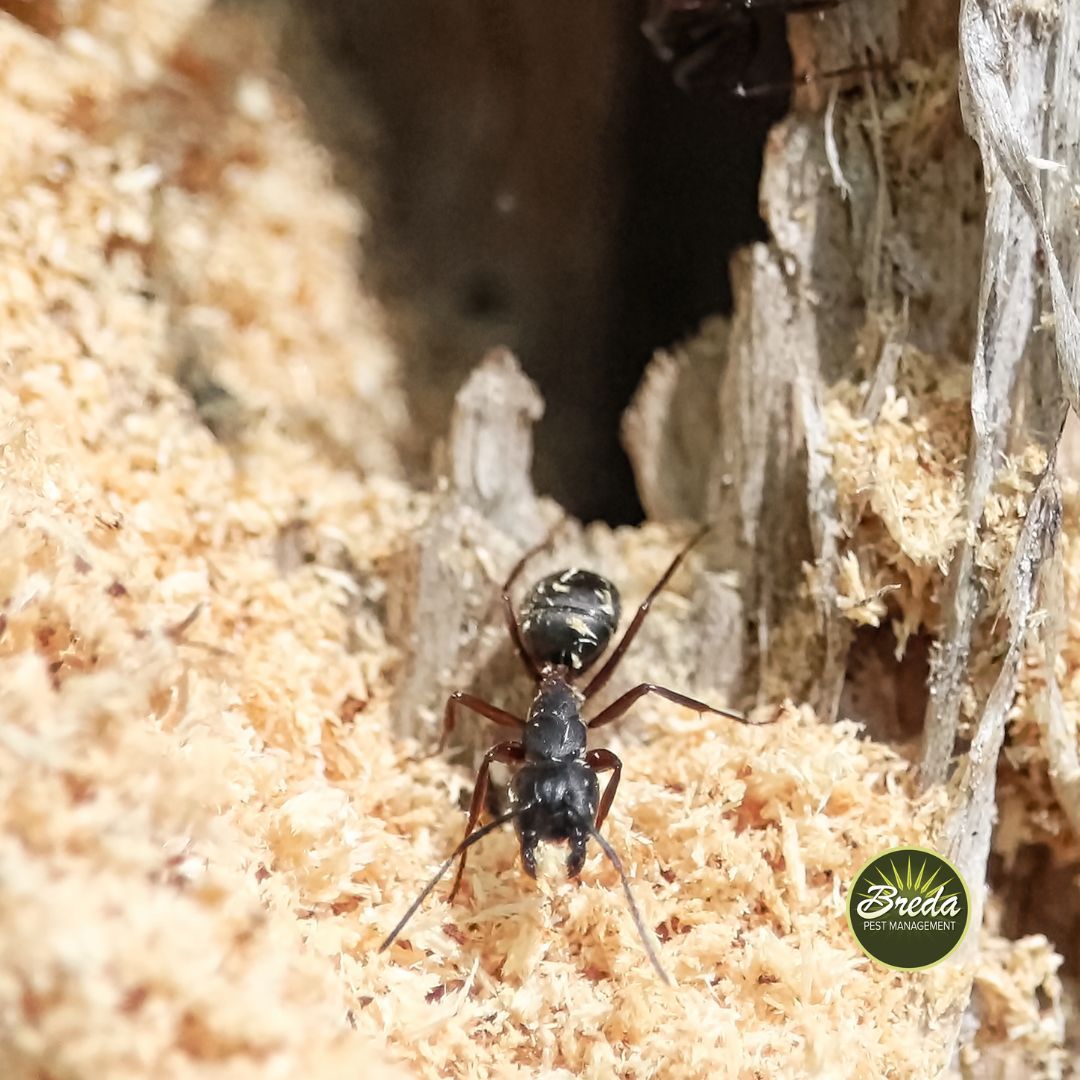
x,y
554,730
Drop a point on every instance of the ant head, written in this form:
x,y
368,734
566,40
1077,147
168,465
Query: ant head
x,y
568,618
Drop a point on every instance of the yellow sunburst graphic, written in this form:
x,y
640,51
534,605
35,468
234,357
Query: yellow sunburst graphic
x,y
912,885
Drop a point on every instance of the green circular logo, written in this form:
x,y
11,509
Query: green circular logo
x,y
908,908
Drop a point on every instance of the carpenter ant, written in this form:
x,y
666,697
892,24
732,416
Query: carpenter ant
x,y
568,619
715,42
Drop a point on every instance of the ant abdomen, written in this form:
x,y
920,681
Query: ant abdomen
x,y
568,618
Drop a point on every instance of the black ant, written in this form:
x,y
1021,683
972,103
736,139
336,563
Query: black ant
x,y
715,42
568,619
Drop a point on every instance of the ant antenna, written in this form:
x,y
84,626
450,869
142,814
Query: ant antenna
x,y
465,844
609,851
807,78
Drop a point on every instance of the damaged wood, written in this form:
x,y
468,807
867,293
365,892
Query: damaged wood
x,y
1016,140
1060,737
670,431
1005,316
484,513
490,450
967,830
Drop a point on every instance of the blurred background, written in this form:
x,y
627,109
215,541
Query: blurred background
x,y
534,177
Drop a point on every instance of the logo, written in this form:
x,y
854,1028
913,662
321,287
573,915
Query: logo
x,y
908,908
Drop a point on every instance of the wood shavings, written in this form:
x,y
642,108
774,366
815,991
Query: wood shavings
x,y
251,939
1018,998
723,967
858,603
207,826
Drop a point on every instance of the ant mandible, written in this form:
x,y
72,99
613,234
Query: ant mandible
x,y
568,619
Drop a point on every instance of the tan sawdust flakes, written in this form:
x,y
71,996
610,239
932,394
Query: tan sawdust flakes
x,y
1022,1010
900,482
99,796
125,39
24,55
881,555
899,470
224,897
715,929
111,823
268,203
859,602
116,851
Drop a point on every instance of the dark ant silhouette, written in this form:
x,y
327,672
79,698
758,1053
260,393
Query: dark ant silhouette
x,y
715,42
568,619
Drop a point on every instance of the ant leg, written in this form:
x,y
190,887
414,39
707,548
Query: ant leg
x,y
508,606
621,705
599,761
605,673
796,7
478,705
507,753
737,34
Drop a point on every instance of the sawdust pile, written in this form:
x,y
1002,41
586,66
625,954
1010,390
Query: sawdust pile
x,y
206,825
900,478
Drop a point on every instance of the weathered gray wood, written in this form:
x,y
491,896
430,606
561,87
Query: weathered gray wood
x,y
491,445
671,431
485,512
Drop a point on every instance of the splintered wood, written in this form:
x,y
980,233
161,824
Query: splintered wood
x,y
903,416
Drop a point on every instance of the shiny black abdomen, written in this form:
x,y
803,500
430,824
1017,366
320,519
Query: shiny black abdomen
x,y
565,795
567,618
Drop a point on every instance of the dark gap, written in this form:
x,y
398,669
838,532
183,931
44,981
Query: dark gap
x,y
887,695
1035,889
692,163
540,183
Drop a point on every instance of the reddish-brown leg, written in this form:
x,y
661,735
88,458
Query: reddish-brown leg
x,y
507,753
478,705
605,673
508,605
601,761
620,705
